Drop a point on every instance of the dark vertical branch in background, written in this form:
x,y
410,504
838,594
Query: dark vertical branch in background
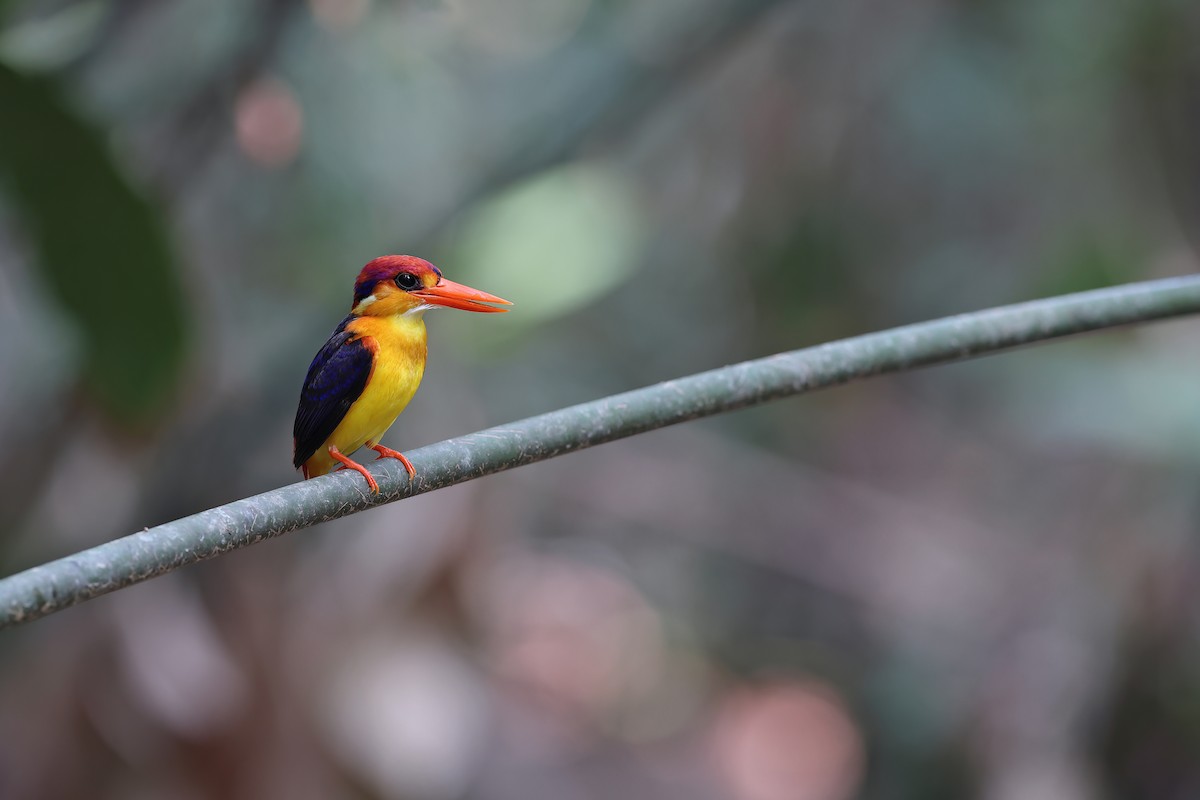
x,y
193,133
1165,64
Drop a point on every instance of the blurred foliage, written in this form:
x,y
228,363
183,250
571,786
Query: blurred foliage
x,y
928,585
100,248
561,240
1089,262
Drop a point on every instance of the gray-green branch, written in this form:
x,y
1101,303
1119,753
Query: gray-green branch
x,y
63,583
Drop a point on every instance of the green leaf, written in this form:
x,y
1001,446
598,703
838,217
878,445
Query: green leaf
x,y
554,242
101,247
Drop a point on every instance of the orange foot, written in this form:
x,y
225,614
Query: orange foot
x,y
387,452
348,463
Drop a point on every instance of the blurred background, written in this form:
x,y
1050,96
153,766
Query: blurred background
x,y
978,580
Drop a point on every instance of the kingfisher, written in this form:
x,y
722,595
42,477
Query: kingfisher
x,y
373,363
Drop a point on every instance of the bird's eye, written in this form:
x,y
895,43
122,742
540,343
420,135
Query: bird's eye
x,y
407,281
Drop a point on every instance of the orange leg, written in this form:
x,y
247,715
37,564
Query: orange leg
x,y
348,463
387,452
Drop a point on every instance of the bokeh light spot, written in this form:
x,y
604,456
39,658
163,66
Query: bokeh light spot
x,y
788,742
269,123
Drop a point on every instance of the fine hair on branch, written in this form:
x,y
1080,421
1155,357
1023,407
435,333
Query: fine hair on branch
x,y
65,582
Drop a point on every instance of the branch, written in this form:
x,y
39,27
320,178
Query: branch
x,y
123,562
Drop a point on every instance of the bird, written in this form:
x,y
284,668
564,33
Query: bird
x,y
369,370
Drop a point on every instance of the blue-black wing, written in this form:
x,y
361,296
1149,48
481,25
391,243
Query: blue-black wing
x,y
336,378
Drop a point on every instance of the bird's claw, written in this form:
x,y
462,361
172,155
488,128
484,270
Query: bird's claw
x,y
387,452
347,463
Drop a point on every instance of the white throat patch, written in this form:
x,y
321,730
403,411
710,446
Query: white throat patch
x,y
362,304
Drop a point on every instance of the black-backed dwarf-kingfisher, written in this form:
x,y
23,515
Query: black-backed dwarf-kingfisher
x,y
371,366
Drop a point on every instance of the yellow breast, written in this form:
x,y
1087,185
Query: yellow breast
x,y
399,343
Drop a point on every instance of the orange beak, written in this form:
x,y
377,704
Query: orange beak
x,y
455,295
